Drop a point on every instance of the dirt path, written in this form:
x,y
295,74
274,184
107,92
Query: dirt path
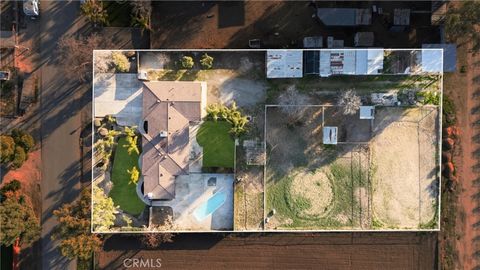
x,y
467,245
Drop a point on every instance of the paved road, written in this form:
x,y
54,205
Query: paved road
x,y
61,103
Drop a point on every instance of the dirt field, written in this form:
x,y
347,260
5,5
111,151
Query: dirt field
x,y
464,89
233,24
405,156
248,194
339,251
236,76
310,185
293,143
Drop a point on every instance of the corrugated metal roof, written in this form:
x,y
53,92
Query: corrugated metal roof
x,y
449,55
284,63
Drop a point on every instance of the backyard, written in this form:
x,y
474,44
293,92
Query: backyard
x,y
124,194
333,196
217,143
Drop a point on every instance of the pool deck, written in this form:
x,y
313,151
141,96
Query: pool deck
x,y
190,192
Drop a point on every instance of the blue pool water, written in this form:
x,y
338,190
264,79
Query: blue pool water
x,y
211,205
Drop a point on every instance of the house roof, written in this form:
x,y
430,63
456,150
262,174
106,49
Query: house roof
x,y
168,107
449,55
284,63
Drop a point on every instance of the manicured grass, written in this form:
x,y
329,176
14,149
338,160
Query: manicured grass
x,y
122,193
217,144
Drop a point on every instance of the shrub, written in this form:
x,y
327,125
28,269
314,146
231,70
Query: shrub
x,y
206,61
7,148
350,102
449,117
94,12
13,186
187,62
429,97
6,88
19,157
17,133
27,142
232,115
120,62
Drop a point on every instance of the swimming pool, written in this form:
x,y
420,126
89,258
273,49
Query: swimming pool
x,y
211,205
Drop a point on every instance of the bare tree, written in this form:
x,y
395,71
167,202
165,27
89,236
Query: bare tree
x,y
159,236
290,101
103,62
76,54
350,102
154,240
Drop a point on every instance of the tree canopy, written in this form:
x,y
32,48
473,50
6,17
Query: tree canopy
x,y
73,229
17,218
76,54
103,210
463,21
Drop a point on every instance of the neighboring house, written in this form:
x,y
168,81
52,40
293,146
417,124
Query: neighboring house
x,y
169,110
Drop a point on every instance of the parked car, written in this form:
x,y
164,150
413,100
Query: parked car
x,y
31,8
4,75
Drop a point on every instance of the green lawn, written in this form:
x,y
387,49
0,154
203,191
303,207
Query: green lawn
x,y
217,144
122,193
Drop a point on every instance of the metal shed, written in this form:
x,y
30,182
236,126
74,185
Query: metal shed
x,y
367,112
284,64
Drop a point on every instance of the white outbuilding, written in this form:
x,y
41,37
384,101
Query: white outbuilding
x,y
284,64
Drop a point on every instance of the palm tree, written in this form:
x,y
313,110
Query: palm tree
x,y
132,145
95,12
213,111
130,131
134,175
110,137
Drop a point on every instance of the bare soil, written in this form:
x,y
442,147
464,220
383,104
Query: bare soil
x,y
340,251
197,24
293,143
405,193
462,89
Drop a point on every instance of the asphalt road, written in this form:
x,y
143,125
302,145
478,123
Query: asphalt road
x,y
61,102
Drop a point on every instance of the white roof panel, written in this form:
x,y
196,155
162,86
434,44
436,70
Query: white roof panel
x,y
284,64
432,60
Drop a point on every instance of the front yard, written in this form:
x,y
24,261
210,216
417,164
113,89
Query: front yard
x,y
124,194
217,143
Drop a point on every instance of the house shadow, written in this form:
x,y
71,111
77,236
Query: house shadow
x,y
181,241
231,13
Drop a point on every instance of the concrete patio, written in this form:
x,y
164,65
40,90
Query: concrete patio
x,y
190,192
119,95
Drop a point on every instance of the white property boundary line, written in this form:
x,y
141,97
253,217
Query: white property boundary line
x,y
265,50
